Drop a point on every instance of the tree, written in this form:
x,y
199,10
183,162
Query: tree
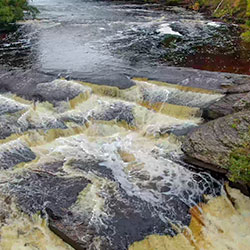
x,y
14,10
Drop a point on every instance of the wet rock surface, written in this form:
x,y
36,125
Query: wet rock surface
x,y
128,216
119,112
99,165
24,82
13,153
210,145
21,82
9,125
236,99
103,165
59,90
10,106
48,194
26,120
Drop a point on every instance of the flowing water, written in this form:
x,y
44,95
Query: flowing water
x,y
108,42
106,158
101,165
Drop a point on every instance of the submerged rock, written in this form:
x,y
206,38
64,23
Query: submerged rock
x,y
13,153
8,105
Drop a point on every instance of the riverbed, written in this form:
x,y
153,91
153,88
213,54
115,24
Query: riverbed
x,y
90,148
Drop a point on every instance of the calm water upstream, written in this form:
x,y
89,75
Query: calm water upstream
x,y
107,42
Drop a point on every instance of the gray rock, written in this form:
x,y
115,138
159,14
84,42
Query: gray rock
x,y
224,106
9,125
129,218
13,153
10,106
59,90
239,89
118,111
210,145
243,103
237,98
21,82
16,123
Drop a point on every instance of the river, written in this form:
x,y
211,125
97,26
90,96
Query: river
x,y
102,166
109,42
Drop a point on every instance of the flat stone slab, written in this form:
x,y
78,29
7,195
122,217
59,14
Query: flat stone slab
x,y
24,83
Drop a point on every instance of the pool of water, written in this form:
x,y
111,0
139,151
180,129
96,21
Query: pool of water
x,y
109,42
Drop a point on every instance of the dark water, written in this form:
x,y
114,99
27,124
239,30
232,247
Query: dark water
x,y
108,42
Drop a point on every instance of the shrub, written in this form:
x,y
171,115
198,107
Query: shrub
x,y
246,36
13,10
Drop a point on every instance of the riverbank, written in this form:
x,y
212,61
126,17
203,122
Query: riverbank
x,y
231,11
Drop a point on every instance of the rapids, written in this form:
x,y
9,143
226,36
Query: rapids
x,y
89,153
107,157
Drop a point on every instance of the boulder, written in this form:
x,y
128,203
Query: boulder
x,y
237,98
210,145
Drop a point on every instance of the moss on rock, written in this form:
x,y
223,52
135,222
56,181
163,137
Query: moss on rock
x,y
239,162
223,144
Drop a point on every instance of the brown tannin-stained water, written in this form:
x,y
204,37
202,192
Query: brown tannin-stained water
x,y
103,167
237,61
99,165
108,42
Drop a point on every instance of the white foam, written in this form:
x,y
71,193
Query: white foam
x,y
214,24
166,29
